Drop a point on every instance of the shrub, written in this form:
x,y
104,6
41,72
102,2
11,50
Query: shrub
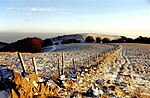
x,y
105,40
73,41
70,41
64,42
89,39
47,42
32,45
29,45
98,39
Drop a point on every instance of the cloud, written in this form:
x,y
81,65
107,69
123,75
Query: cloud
x,y
12,8
40,9
37,9
66,13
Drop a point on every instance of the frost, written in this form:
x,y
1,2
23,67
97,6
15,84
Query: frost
x,y
35,84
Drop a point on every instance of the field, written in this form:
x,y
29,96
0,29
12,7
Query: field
x,y
48,61
88,70
138,53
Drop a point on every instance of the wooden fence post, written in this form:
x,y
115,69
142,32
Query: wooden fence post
x,y
59,73
74,65
96,59
34,64
22,62
62,71
89,60
82,61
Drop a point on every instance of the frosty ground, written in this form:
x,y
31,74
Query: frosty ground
x,y
128,69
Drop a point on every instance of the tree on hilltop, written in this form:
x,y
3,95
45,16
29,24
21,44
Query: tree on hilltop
x,y
25,45
105,40
47,42
89,39
98,39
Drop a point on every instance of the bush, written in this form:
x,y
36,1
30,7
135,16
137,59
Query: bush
x,y
89,39
105,40
29,45
70,41
64,42
73,41
123,39
141,39
98,39
47,42
32,45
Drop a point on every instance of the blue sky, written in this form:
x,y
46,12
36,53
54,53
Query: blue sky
x,y
119,17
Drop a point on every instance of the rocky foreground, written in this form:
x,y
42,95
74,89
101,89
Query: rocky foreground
x,y
113,76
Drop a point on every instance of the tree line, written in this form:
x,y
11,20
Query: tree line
x,y
35,44
122,39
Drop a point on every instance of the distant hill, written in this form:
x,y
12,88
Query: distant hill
x,y
2,44
81,37
36,44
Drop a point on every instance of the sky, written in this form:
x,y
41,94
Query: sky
x,y
114,17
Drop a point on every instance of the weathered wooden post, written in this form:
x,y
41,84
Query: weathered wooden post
x,y
34,64
89,60
82,61
22,62
59,73
97,59
74,65
126,51
62,71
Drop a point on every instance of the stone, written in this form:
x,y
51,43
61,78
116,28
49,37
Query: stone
x,y
111,88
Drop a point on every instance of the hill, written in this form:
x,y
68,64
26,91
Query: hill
x,y
81,37
2,44
36,44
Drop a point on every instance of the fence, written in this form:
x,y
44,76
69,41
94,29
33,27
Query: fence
x,y
91,62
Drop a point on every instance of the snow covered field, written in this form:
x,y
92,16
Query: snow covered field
x,y
138,53
47,62
121,73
